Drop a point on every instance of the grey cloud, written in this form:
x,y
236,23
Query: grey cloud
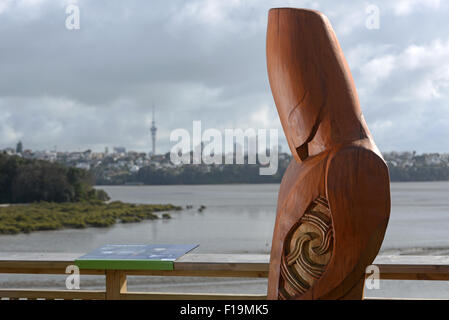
x,y
196,60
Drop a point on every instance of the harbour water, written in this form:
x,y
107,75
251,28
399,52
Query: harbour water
x,y
240,219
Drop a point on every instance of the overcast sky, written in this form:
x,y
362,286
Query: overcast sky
x,y
205,60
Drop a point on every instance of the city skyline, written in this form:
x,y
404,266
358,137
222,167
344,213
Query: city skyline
x,y
93,87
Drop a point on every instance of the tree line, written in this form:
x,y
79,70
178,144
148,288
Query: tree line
x,y
421,173
26,180
228,174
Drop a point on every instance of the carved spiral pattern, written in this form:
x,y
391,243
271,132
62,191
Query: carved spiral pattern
x,y
307,250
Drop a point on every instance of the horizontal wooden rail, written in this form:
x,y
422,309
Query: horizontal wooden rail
x,y
413,267
192,265
189,296
31,294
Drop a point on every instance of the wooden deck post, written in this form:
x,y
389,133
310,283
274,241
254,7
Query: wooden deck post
x,y
115,284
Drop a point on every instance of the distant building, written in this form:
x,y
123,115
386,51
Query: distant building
x,y
83,165
28,154
45,155
74,156
119,150
87,154
10,151
19,147
158,158
153,130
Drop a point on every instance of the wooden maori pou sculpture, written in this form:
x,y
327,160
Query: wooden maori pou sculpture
x,y
334,199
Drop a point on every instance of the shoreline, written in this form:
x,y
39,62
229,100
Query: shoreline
x,y
238,183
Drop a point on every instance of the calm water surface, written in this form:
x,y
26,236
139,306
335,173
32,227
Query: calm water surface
x,y
240,219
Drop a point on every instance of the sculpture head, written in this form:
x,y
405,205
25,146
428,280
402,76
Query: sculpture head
x,y
311,82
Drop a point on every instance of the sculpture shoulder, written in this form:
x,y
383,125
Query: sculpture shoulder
x,y
355,165
358,187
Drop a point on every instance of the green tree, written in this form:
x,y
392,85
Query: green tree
x,y
24,181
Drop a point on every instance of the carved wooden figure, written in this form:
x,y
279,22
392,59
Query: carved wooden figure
x,y
334,199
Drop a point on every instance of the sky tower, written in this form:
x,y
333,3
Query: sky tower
x,y
153,130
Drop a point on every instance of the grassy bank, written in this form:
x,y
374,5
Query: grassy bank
x,y
53,216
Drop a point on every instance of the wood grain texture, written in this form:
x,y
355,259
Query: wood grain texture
x,y
31,294
335,161
189,296
116,284
221,265
227,262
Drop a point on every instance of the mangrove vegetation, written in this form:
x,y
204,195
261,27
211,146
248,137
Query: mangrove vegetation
x,y
40,216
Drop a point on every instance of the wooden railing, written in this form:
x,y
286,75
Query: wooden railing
x,y
191,265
